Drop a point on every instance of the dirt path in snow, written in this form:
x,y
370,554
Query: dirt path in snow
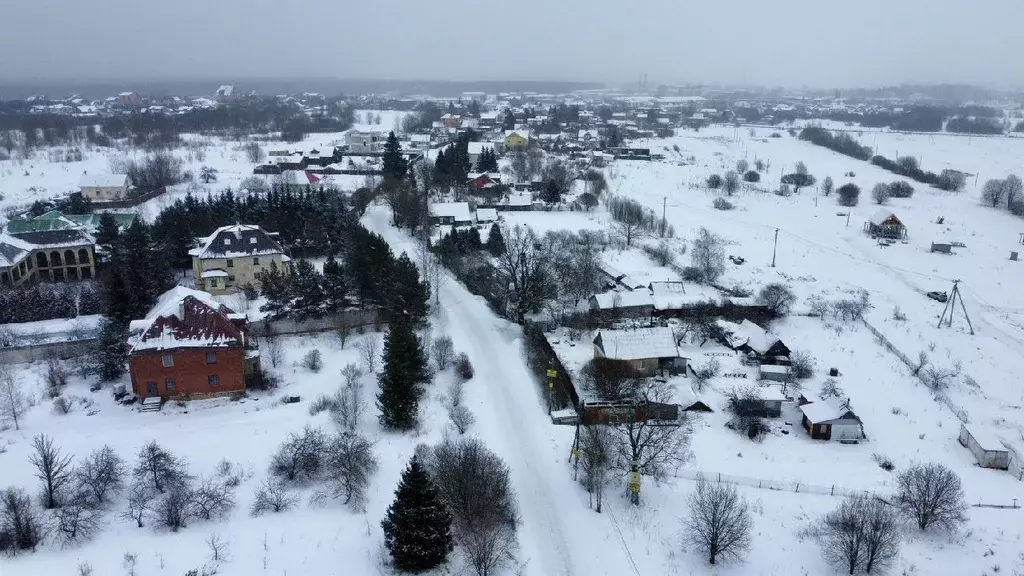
x,y
559,535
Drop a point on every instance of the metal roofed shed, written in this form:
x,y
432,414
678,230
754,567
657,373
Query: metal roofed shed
x,y
987,448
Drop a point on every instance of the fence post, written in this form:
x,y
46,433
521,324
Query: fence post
x,y
833,493
797,486
719,477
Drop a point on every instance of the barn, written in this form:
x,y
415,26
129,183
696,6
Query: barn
x,y
831,419
987,448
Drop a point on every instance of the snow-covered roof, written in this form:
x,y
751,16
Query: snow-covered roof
x,y
775,369
520,199
486,214
479,147
457,210
625,299
769,393
758,339
879,217
638,343
185,318
823,411
103,180
214,273
12,250
985,438
236,241
668,295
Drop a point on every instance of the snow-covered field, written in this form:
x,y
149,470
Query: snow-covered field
x,y
23,181
817,254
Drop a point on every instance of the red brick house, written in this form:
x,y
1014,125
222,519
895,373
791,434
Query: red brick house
x,y
190,345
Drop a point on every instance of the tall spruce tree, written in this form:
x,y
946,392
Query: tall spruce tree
x,y
335,285
405,370
309,290
109,355
407,295
278,287
495,241
417,527
107,233
395,165
551,194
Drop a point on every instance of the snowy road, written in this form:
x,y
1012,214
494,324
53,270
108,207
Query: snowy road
x,y
559,534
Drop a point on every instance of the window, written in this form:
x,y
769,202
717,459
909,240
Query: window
x,y
252,240
227,241
231,263
255,261
168,361
231,277
211,357
213,379
170,385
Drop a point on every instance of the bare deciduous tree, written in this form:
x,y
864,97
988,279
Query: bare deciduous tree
x,y
650,447
350,464
13,402
443,352
349,403
369,348
708,255
993,191
704,372
830,389
475,485
53,469
938,378
101,474
140,497
719,522
731,183
461,417
301,456
275,349
863,533
173,509
597,445
1014,187
455,391
159,467
76,520
931,495
776,297
880,193
272,496
20,520
211,499
218,549
524,268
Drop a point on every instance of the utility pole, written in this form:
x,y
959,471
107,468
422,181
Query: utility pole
x,y
955,294
775,247
664,203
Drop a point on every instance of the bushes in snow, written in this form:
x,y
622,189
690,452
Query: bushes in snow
x,y
849,195
751,176
272,496
722,204
312,361
464,367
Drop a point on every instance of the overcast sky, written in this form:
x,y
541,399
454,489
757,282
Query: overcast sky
x,y
820,43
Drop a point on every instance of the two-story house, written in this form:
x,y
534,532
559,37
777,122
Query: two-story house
x,y
104,187
234,256
189,345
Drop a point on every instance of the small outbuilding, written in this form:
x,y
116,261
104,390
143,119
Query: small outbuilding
x,y
775,372
646,350
622,304
885,224
831,419
987,448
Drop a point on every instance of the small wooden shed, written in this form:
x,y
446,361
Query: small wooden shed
x,y
775,373
885,224
988,450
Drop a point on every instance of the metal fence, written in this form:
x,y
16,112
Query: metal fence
x,y
777,485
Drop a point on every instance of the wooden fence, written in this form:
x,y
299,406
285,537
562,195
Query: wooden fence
x,y
370,318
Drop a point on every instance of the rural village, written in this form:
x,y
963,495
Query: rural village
x,y
700,331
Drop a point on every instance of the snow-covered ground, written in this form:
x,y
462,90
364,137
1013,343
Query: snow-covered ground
x,y
817,253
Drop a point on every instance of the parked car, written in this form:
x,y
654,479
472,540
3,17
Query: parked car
x,y
939,296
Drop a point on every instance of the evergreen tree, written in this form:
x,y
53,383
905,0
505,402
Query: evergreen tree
x,y
495,241
417,528
335,285
407,295
277,288
472,240
405,370
551,194
309,290
395,165
441,169
509,122
110,354
107,233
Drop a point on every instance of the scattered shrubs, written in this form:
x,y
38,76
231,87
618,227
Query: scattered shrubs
x,y
272,496
661,254
722,204
900,189
159,468
827,186
731,183
703,373
56,378
708,255
322,403
849,195
461,417
880,193
751,176
692,274
21,524
312,361
61,405
350,463
714,181
464,367
784,190
300,457
842,143
101,474
830,389
883,461
951,180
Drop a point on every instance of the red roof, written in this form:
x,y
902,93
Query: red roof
x,y
313,178
195,324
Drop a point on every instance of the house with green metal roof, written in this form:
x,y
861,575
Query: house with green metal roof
x,y
54,220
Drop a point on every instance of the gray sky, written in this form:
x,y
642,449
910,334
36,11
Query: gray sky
x,y
821,43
